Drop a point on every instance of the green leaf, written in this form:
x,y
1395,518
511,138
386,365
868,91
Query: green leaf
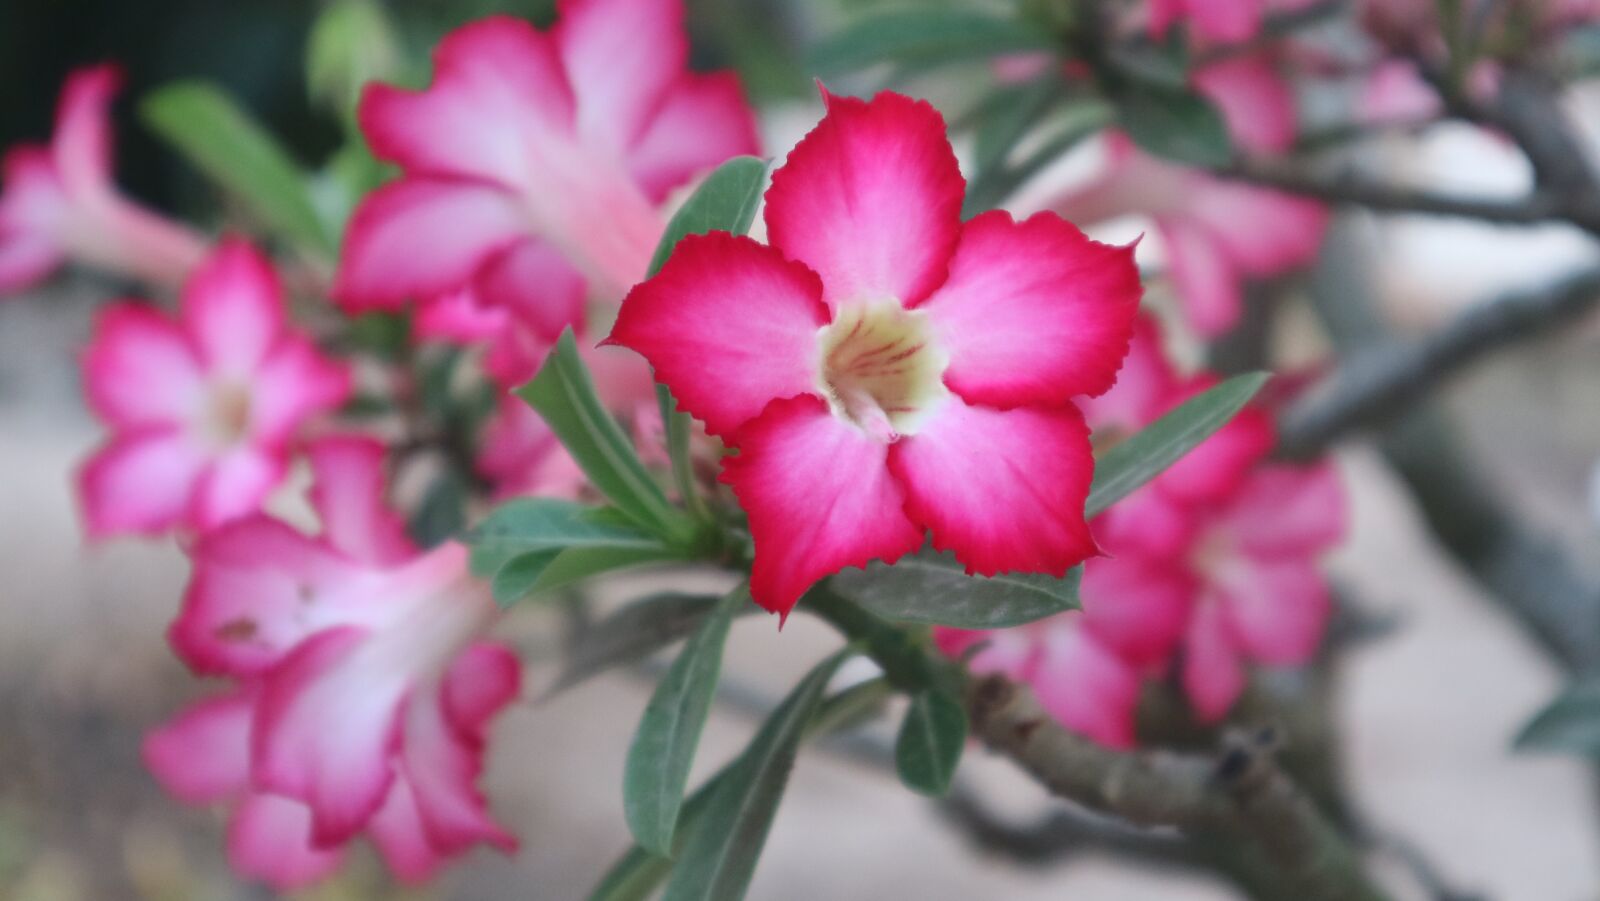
x,y
442,512
535,544
722,845
929,745
351,43
1077,121
223,141
925,36
632,633
1159,445
669,733
1174,123
726,201
933,589
564,395
579,563
517,578
1571,724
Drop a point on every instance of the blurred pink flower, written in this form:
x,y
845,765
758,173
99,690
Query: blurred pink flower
x,y
535,152
885,369
520,456
1217,21
1216,233
60,203
366,694
203,409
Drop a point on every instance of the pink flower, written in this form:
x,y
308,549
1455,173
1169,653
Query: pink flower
x,y
884,369
1217,21
520,456
367,693
1083,683
1216,233
60,204
202,409
534,151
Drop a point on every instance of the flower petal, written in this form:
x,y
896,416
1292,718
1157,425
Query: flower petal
x,y
420,236
294,382
26,259
81,146
398,831
621,56
1214,469
1084,685
141,369
269,839
482,681
232,307
1137,606
870,200
819,498
348,494
1147,523
702,121
234,485
1004,490
328,720
202,755
1254,99
1277,610
140,482
1203,275
498,94
729,325
537,285
1212,675
442,765
1295,511
461,316
1033,312
1142,392
1009,652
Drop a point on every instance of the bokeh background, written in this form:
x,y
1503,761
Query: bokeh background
x,y
1430,699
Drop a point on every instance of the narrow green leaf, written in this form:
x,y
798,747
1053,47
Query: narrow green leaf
x,y
1159,445
663,748
517,578
921,36
1570,724
351,43
223,141
564,395
1174,123
632,633
721,846
726,201
579,563
934,589
1077,121
929,745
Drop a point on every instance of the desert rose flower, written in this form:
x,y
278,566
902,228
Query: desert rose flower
x,y
885,370
370,691
203,408
59,202
532,152
1217,21
1216,233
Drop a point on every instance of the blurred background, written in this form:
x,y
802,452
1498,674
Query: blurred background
x,y
1429,700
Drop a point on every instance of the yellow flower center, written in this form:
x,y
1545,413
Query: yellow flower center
x,y
880,368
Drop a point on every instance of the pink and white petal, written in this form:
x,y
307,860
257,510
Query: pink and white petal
x,y
234,485
870,200
1214,470
140,482
1254,99
442,766
621,57
1085,685
459,317
202,755
25,260
819,496
1225,21
1137,606
1163,14
1147,523
702,121
1264,232
232,307
1008,652
294,383
1212,674
729,325
1034,312
141,369
481,682
34,200
1277,610
418,237
1288,511
536,284
1204,277
397,830
269,839
498,94
260,588
81,146
326,727
348,493
1004,490
1143,388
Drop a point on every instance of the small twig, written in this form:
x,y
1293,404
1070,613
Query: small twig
x,y
1379,381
